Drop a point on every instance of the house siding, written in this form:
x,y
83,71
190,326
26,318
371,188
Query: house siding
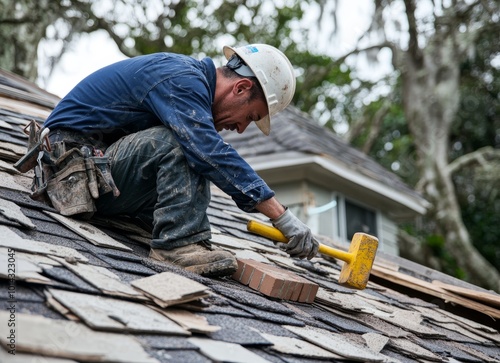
x,y
388,241
300,195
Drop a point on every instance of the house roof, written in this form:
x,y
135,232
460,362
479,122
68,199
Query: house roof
x,y
88,292
298,148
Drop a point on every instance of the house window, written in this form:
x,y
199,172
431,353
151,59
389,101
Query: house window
x,y
359,219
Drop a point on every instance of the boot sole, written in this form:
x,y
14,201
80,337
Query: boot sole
x,y
220,268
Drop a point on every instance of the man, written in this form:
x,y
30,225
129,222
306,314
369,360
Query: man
x,y
160,114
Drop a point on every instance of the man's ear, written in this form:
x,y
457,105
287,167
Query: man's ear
x,y
243,85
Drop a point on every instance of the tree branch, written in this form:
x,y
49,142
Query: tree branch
x,y
480,157
413,47
385,44
15,21
375,126
487,7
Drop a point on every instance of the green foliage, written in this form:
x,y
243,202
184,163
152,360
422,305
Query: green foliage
x,y
480,206
481,219
193,27
394,147
319,86
478,122
437,245
478,125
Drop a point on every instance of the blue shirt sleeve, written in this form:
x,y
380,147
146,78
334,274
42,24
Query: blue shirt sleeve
x,y
183,102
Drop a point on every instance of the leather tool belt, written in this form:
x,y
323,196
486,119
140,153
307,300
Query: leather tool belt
x,y
70,174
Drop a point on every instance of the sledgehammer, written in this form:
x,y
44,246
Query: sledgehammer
x,y
358,261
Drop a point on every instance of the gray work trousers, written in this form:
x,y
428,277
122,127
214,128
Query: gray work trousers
x,y
158,187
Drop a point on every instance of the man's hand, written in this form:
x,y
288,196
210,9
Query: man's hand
x,y
301,242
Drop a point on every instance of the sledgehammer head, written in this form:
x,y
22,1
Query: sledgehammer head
x,y
356,271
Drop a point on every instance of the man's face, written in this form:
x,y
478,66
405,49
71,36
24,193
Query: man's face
x,y
234,112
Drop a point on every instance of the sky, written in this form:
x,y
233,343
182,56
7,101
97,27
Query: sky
x,y
88,54
91,52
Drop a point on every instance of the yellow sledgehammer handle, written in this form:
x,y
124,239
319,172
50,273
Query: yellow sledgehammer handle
x,y
275,234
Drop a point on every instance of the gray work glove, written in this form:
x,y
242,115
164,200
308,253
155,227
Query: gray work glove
x,y
301,242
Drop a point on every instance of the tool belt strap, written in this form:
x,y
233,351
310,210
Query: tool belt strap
x,y
77,139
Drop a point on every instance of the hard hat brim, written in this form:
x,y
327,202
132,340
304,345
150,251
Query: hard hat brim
x,y
264,124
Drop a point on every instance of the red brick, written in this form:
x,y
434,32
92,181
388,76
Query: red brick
x,y
288,290
244,272
275,282
296,292
308,293
246,276
271,285
312,294
304,293
239,272
287,287
256,280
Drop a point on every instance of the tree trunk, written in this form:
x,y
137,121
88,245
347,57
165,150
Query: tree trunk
x,y
431,99
22,26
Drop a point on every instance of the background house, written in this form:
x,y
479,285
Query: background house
x,y
334,188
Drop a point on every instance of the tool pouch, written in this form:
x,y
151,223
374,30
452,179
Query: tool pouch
x,y
69,189
69,180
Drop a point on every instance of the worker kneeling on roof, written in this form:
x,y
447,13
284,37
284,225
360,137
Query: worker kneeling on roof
x,y
155,119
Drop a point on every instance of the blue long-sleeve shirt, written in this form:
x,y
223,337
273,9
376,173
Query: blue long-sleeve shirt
x,y
162,88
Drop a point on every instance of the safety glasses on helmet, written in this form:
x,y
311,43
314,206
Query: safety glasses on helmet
x,y
239,66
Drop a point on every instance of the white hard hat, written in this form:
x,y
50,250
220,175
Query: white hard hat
x,y
274,72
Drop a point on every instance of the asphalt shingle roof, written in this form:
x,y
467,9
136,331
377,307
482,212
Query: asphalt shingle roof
x,y
74,300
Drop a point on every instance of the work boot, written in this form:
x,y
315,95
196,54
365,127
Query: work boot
x,y
200,258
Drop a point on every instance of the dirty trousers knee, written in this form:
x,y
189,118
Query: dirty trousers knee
x,y
157,186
